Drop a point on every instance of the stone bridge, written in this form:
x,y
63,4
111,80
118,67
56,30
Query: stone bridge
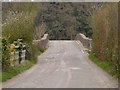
x,y
64,64
43,42
84,40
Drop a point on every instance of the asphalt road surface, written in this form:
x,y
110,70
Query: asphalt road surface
x,y
63,65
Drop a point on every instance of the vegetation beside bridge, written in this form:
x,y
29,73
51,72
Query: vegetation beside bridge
x,y
29,21
104,23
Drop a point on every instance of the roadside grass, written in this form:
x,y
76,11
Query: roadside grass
x,y
42,50
105,65
13,71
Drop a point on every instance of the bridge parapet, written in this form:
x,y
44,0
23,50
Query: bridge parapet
x,y
84,40
43,42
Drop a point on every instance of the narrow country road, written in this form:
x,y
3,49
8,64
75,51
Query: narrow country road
x,y
63,65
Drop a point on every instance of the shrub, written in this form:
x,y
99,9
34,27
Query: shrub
x,y
104,23
5,55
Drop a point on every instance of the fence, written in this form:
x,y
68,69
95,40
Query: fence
x,y
14,60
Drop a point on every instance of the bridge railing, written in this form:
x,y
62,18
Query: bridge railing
x,y
84,40
43,42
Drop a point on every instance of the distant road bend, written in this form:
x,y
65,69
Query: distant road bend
x,y
63,65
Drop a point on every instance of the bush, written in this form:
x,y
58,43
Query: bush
x,y
18,23
104,23
23,29
5,55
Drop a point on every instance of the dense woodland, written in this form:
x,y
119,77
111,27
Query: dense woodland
x,y
59,20
63,21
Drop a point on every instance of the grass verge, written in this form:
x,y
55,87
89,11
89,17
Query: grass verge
x,y
13,71
105,65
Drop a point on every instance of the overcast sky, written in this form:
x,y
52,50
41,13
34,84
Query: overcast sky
x,y
60,0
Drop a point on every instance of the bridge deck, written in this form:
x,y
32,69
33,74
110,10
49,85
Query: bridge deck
x,y
63,65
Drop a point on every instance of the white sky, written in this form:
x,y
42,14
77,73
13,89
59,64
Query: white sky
x,y
60,0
